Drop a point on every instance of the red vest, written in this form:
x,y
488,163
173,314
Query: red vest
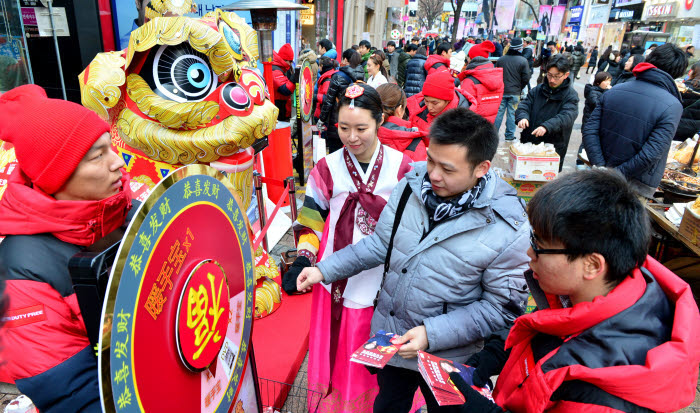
x,y
324,82
486,83
397,134
664,380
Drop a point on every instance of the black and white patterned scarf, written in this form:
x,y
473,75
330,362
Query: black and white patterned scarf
x,y
441,209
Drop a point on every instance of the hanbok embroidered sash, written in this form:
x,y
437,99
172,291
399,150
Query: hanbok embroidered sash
x,y
371,207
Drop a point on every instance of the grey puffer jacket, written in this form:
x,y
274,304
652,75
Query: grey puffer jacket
x,y
463,280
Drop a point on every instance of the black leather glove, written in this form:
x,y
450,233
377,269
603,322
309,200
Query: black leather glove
x,y
289,278
490,360
475,402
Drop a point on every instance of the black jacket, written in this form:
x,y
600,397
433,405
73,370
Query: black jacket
x,y
690,119
404,58
339,82
592,95
529,55
516,72
415,75
579,60
623,77
633,125
555,109
613,68
593,58
690,122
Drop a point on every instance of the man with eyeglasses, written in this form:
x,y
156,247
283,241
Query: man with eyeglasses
x,y
548,112
614,330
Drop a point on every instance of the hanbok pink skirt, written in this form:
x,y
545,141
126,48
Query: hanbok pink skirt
x,y
345,386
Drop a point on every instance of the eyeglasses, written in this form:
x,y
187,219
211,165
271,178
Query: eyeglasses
x,y
538,251
557,77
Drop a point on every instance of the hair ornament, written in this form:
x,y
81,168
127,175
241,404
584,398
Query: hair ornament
x,y
353,92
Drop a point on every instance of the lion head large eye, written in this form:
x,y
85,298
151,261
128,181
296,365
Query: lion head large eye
x,y
180,73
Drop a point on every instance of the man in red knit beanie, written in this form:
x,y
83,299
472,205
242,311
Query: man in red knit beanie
x,y
282,75
67,193
439,95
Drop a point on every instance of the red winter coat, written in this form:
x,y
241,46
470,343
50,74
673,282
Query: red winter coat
x,y
323,83
44,348
635,348
485,82
281,72
421,118
397,134
436,63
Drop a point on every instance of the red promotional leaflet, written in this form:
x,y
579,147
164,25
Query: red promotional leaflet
x,y
436,372
377,351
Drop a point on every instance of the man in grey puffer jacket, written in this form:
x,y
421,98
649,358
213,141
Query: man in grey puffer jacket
x,y
458,258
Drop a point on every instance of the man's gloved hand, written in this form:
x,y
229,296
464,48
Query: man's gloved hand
x,y
321,126
489,361
289,278
475,402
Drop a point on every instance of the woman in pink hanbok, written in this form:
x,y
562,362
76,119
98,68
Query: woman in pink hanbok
x,y
345,195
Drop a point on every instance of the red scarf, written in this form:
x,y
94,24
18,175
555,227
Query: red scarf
x,y
25,210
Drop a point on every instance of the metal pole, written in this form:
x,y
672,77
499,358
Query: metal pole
x,y
58,53
292,197
26,49
262,213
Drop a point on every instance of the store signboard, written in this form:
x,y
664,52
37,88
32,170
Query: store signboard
x,y
308,16
125,15
575,14
621,14
599,14
653,11
619,3
690,9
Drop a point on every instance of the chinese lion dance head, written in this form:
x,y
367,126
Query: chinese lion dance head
x,y
184,91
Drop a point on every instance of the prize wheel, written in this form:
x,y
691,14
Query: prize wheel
x,y
177,316
306,91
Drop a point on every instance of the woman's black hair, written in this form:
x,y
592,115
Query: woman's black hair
x,y
636,59
352,57
369,100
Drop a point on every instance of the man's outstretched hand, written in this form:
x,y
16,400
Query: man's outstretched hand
x,y
307,278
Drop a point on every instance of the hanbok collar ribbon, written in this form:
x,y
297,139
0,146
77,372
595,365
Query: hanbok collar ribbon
x,y
371,207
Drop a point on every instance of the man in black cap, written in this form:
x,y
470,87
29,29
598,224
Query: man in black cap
x,y
516,75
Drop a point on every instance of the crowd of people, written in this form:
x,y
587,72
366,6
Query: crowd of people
x,y
406,228
443,253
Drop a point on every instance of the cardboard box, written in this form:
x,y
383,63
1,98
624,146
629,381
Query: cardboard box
x,y
526,190
533,168
690,226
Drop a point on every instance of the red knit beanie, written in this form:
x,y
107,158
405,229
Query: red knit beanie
x,y
50,136
478,50
439,85
483,49
286,52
